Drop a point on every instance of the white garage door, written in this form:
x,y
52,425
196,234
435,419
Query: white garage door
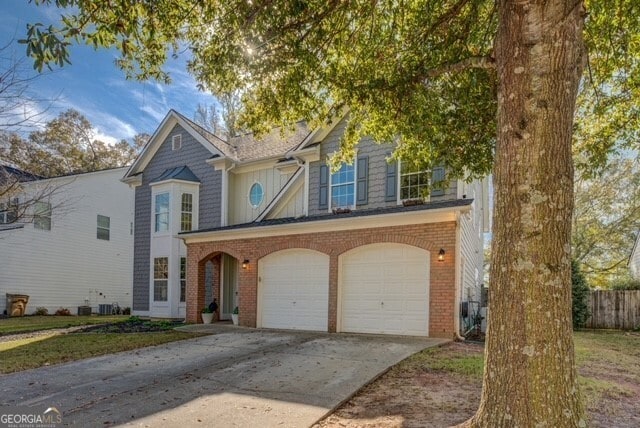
x,y
293,290
384,288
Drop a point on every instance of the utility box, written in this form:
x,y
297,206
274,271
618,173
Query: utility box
x,y
84,310
17,304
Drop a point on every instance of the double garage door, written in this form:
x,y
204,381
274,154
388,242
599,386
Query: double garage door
x,y
383,289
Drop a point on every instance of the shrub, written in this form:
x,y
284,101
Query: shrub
x,y
126,311
41,311
63,312
579,295
626,284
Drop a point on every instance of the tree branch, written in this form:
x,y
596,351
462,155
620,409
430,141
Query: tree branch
x,y
482,62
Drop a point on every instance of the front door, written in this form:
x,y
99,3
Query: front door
x,y
229,286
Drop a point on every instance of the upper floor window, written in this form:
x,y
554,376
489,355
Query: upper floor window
x,y
256,195
162,212
104,225
176,142
186,216
414,183
42,216
343,187
9,211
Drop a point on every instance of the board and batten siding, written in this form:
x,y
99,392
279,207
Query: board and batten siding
x,y
240,210
377,155
194,156
294,206
64,266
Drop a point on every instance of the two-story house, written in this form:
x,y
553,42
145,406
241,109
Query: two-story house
x,y
67,241
265,226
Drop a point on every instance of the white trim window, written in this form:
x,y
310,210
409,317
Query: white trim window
x,y
343,187
414,183
9,211
160,279
161,222
183,279
186,214
42,216
104,226
256,195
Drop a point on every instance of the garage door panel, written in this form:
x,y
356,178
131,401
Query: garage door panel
x,y
384,288
294,290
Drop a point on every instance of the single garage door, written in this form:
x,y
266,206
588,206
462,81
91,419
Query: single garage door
x,y
293,290
384,289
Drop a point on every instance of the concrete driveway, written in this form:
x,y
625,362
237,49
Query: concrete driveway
x,y
235,377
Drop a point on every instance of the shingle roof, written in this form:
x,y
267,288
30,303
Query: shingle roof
x,y
353,214
219,143
178,173
275,143
246,147
19,174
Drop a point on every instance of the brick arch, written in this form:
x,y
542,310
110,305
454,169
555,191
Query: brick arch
x,y
206,251
306,244
387,238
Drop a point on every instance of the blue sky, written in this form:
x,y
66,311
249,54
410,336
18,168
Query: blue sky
x,y
93,85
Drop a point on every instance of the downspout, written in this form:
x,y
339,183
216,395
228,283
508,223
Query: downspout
x,y
458,279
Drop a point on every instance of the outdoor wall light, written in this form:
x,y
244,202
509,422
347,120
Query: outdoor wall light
x,y
441,255
245,264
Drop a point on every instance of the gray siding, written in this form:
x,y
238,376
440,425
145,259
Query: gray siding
x,y
377,154
193,155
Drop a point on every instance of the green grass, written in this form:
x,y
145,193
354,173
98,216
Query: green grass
x,y
55,349
36,323
443,359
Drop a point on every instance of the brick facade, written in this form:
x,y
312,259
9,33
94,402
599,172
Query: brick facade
x,y
430,237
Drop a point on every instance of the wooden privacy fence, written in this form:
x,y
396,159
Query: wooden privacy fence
x,y
614,309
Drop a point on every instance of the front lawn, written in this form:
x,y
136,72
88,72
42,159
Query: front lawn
x,y
46,350
441,386
39,345
26,324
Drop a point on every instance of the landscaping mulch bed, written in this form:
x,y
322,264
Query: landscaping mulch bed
x,y
132,325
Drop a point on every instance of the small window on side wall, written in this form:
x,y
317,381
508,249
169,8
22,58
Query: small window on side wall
x,y
176,142
42,216
104,226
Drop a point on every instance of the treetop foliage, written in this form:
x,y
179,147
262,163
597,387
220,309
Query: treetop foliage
x,y
418,73
66,145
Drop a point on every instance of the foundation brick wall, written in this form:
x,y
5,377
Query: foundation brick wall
x,y
430,237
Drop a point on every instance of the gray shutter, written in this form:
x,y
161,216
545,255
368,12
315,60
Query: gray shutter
x,y
437,177
391,186
362,189
324,187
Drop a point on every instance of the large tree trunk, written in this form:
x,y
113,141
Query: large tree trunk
x,y
530,376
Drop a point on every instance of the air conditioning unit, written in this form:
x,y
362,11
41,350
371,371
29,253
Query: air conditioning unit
x,y
105,309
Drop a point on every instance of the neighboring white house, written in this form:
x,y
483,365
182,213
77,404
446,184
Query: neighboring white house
x,y
75,247
634,260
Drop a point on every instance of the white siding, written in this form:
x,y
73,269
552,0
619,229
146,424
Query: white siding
x,y
472,241
68,264
240,210
634,261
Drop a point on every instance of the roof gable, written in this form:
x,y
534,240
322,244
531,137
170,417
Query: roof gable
x,y
210,142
